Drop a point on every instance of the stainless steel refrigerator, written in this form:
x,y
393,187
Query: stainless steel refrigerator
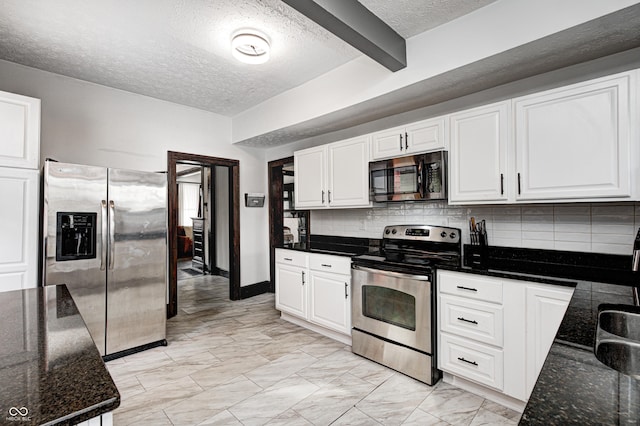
x,y
105,237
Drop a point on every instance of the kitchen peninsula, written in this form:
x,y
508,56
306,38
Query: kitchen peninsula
x,y
50,370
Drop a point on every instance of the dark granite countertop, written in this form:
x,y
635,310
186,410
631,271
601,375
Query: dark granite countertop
x,y
573,386
51,372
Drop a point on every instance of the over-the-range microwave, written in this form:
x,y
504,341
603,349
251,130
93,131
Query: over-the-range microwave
x,y
416,177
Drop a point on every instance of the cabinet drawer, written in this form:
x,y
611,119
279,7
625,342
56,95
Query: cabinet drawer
x,y
328,263
292,257
476,320
470,286
473,361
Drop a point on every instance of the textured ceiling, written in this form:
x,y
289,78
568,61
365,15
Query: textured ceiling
x,y
178,50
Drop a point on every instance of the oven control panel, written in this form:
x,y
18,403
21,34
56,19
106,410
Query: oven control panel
x,y
423,233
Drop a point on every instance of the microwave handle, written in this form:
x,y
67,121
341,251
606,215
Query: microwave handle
x,y
421,180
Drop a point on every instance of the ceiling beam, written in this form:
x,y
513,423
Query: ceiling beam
x,y
358,26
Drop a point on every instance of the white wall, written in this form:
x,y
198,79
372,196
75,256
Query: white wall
x,y
596,227
92,124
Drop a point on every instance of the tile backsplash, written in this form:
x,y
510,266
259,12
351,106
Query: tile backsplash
x,y
597,227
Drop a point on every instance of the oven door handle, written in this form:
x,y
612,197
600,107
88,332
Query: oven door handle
x,y
392,274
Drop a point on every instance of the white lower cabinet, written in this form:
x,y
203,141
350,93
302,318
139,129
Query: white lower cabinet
x,y
103,420
291,293
331,305
546,306
19,228
480,363
314,291
497,332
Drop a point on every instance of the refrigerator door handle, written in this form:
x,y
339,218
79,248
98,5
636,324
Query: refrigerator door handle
x,y
112,233
103,247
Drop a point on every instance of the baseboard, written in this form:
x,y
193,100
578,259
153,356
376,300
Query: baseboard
x,y
217,271
485,392
254,289
342,338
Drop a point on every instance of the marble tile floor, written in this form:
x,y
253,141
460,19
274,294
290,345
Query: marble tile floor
x,y
238,363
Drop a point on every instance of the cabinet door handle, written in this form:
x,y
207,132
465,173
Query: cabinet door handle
x,y
326,265
400,141
518,183
468,362
406,141
302,277
323,196
501,183
466,320
329,196
346,295
467,288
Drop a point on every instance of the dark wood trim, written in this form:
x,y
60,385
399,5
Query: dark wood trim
x,y
254,289
174,158
276,214
221,272
234,232
190,171
213,248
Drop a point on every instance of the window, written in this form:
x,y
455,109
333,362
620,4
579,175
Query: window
x,y
189,199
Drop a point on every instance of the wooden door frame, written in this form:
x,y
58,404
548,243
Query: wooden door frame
x,y
173,158
276,215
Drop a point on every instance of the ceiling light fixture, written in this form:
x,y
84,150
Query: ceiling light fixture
x,y
250,46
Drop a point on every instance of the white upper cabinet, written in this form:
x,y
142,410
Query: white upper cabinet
x,y
333,175
310,171
574,142
349,173
427,135
478,154
19,131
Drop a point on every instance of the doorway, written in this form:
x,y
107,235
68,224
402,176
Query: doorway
x,y
213,171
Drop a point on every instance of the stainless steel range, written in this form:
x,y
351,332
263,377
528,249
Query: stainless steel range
x,y
393,303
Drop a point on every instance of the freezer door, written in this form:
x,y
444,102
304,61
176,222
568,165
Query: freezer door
x,y
74,228
136,271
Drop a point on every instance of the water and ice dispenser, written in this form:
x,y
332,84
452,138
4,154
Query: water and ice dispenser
x,y
75,236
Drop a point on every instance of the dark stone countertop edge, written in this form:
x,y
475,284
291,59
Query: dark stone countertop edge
x,y
88,413
511,275
319,251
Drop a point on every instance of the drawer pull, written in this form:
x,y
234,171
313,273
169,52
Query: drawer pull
x,y
325,265
467,288
289,259
468,362
466,320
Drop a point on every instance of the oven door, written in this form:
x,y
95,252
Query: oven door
x,y
392,305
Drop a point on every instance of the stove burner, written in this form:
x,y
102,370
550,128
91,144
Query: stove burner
x,y
416,246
